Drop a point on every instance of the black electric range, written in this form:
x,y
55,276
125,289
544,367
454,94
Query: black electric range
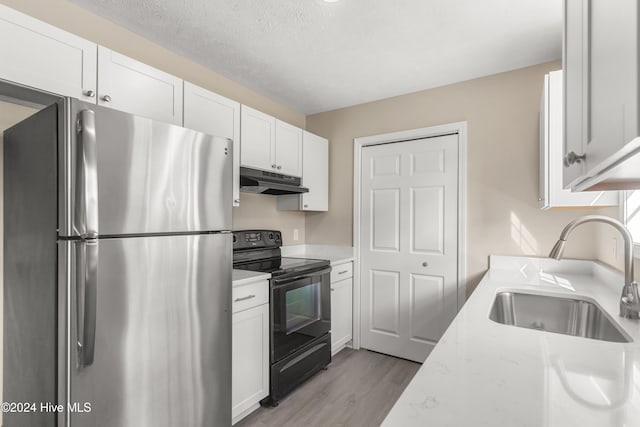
x,y
300,309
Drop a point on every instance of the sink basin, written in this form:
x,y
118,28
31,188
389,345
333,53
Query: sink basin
x,y
562,315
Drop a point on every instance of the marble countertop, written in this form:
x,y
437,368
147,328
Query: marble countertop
x,y
335,254
242,277
483,373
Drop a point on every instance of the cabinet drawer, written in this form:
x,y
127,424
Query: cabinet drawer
x,y
250,295
341,271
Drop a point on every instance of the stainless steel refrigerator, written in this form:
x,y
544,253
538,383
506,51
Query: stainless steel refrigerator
x,y
117,271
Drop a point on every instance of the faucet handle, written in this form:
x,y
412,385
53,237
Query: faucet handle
x,y
630,301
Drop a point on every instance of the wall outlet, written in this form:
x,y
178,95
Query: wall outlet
x,y
295,234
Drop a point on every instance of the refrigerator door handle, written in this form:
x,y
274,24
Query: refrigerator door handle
x,y
86,300
87,173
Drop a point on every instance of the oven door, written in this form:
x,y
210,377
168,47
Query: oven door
x,y
300,311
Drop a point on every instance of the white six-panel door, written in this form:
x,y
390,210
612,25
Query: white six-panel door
x,y
409,244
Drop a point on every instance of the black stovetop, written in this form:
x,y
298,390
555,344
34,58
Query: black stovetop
x,y
283,265
259,250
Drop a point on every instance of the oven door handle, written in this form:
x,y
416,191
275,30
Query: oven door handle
x,y
284,282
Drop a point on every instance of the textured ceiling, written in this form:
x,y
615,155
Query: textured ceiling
x,y
315,56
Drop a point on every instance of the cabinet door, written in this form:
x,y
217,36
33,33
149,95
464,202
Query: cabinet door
x,y
250,360
288,149
601,63
315,176
39,55
575,101
341,313
129,85
257,139
612,78
552,195
315,172
208,112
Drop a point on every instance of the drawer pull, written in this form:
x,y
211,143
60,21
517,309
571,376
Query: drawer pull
x,y
343,271
244,298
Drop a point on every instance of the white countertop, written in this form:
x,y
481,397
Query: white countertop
x,y
335,254
483,373
242,277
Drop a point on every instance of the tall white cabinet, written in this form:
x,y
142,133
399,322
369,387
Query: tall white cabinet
x,y
42,56
315,176
214,114
137,88
552,195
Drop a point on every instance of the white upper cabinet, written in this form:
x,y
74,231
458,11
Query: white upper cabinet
x,y
208,112
129,85
552,194
258,135
44,57
315,176
602,123
270,144
288,152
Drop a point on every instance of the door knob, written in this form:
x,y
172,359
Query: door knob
x,y
279,167
106,98
572,158
425,264
89,93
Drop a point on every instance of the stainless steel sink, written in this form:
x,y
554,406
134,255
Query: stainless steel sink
x,y
562,315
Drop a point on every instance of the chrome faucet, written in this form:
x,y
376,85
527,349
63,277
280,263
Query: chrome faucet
x,y
630,299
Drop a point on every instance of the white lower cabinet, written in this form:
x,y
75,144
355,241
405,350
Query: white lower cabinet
x,y
341,306
250,348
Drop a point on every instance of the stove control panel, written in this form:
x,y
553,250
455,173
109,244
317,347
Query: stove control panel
x,y
247,239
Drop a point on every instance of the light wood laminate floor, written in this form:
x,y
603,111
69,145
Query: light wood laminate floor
x,y
358,389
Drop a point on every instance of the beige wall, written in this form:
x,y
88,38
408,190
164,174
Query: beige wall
x,y
261,213
64,14
502,150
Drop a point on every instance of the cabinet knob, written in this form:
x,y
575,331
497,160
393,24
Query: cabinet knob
x,y
425,264
306,206
106,98
89,93
333,289
572,158
279,167
273,166
236,200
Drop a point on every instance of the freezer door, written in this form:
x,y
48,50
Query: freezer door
x,y
129,175
150,323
